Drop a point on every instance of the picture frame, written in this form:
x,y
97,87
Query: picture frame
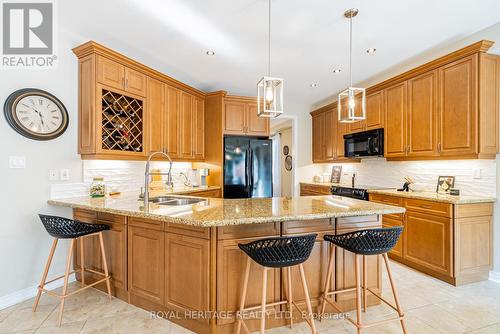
x,y
336,174
444,184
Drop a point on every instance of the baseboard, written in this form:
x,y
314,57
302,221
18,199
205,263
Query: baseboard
x,y
495,276
25,294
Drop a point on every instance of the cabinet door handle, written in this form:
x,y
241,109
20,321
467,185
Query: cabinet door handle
x,y
439,147
126,82
426,206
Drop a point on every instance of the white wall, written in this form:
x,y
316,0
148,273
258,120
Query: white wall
x,y
24,243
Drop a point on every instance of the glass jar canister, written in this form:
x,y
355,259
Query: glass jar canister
x,y
97,188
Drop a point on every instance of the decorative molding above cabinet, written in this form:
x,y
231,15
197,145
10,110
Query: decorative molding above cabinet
x,y
445,109
127,110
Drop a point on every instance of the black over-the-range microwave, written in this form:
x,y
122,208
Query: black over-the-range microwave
x,y
364,144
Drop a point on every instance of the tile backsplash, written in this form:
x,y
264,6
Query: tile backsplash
x,y
379,172
123,176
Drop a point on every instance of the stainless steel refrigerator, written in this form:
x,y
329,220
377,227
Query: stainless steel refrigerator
x,y
247,167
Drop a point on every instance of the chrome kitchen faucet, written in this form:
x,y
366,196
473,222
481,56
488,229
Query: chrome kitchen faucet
x,y
147,175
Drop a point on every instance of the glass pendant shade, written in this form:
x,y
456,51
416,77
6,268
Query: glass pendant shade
x,y
270,97
348,109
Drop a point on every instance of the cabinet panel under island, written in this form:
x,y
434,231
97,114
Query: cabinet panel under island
x,y
186,263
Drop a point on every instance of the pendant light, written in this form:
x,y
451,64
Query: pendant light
x,y
269,89
347,98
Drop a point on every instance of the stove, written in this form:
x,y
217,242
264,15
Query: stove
x,y
357,192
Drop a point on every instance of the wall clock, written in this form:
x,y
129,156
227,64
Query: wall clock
x,y
36,114
288,163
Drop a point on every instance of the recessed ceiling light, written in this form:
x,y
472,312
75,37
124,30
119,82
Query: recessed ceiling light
x,y
337,70
371,50
210,53
313,85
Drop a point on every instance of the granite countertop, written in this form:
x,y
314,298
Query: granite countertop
x,y
222,212
433,196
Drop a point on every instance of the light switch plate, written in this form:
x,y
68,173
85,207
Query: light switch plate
x,y
17,162
476,173
64,174
53,175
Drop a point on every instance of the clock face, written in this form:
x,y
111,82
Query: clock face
x,y
39,114
36,114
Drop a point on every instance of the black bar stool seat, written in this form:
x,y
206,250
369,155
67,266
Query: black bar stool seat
x,y
280,252
378,241
367,242
277,252
64,228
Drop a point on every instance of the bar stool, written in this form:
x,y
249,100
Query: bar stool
x,y
63,228
278,252
362,243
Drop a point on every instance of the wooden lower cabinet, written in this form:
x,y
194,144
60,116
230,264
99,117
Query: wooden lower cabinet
x,y
186,270
452,242
397,251
115,244
308,189
427,242
231,263
212,193
146,272
187,277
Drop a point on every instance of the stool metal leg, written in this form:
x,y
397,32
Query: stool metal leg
x,y
358,293
104,261
239,321
308,300
45,273
289,294
394,292
82,261
66,275
263,303
326,288
365,284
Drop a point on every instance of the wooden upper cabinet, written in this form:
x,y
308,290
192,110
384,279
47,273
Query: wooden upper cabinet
x,y
135,82
255,125
341,130
172,124
329,139
395,120
113,74
240,118
234,118
186,117
375,110
318,121
127,110
422,115
156,112
458,107
110,73
199,128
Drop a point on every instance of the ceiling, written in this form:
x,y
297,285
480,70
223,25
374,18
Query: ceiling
x,y
309,37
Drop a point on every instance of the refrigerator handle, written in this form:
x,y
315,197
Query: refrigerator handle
x,y
250,172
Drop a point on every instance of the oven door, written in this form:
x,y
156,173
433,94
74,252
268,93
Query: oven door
x,y
364,144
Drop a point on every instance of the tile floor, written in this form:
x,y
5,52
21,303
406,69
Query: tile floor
x,y
431,307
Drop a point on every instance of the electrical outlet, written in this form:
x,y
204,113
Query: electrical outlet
x,y
64,174
53,175
476,173
17,162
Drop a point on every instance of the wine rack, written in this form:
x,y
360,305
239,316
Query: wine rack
x,y
122,122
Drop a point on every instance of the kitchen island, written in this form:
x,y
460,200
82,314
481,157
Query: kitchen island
x,y
184,262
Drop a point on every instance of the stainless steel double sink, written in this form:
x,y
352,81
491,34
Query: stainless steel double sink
x,y
175,201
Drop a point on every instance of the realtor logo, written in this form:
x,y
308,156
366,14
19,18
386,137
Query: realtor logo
x,y
28,35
